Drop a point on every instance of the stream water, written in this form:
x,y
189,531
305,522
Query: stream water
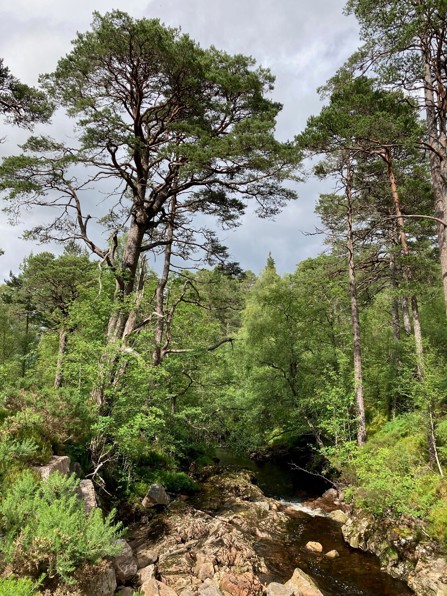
x,y
353,573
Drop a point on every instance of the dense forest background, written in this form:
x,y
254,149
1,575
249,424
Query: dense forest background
x,y
136,373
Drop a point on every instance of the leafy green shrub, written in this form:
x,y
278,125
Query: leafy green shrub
x,y
391,474
18,587
438,519
177,482
45,527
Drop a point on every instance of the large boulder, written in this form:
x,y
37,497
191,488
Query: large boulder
x,y
303,584
87,493
58,463
429,578
125,564
156,495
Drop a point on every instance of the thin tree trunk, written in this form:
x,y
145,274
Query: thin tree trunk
x,y
358,374
418,338
396,329
58,378
419,348
406,315
157,355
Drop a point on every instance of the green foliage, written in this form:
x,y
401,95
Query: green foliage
x,y
390,476
437,518
175,482
18,587
20,104
45,527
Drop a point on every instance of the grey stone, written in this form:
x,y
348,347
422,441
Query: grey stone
x,y
125,564
58,463
87,493
339,516
262,505
156,495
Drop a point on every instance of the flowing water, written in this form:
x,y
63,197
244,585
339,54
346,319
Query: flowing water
x,y
353,573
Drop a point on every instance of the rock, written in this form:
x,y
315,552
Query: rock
x,y
99,580
76,469
339,516
87,493
124,591
275,589
314,547
209,588
155,588
146,573
303,584
156,495
331,493
262,505
428,578
204,570
245,584
125,564
145,557
332,554
58,463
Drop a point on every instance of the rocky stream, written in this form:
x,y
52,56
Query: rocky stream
x,y
253,532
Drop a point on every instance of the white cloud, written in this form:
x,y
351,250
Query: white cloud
x,y
302,42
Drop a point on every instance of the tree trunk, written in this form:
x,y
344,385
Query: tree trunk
x,y
396,330
157,355
417,338
406,315
419,348
437,155
358,375
126,283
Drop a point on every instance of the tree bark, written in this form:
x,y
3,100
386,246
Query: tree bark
x,y
419,348
437,142
358,374
157,354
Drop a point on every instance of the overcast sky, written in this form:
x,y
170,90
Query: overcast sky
x,y
303,42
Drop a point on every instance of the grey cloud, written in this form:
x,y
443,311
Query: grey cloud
x,y
302,42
